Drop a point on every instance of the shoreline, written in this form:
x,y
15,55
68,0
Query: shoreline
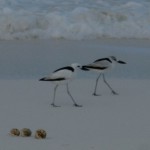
x,y
130,41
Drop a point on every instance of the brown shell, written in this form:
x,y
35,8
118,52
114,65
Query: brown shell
x,y
40,134
14,132
25,132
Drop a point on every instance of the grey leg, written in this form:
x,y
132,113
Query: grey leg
x,y
53,103
96,85
75,104
115,93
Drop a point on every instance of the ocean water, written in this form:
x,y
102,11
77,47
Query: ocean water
x,y
34,59
74,19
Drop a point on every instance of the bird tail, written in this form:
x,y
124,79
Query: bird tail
x,y
43,79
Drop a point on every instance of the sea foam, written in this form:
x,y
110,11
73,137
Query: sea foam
x,y
74,20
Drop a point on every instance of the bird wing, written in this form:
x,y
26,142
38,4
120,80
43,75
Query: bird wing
x,y
103,63
60,74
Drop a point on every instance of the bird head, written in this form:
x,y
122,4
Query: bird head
x,y
118,61
76,65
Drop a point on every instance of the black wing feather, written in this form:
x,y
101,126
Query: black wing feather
x,y
67,68
107,59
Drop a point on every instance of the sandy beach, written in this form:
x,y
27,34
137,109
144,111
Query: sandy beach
x,y
106,122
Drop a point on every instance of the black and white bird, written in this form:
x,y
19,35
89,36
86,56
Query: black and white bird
x,y
101,66
63,76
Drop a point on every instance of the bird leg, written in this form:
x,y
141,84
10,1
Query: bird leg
x,y
96,85
53,103
115,93
75,104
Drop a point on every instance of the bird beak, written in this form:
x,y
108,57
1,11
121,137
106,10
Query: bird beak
x,y
84,68
121,62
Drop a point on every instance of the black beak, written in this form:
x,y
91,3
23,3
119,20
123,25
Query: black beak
x,y
84,68
121,62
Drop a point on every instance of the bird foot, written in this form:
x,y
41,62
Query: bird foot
x,y
94,94
76,105
115,93
54,105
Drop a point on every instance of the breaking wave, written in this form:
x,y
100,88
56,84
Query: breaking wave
x,y
82,19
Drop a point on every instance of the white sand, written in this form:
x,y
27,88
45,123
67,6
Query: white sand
x,y
106,122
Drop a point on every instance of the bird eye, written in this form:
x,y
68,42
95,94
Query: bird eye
x,y
114,58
